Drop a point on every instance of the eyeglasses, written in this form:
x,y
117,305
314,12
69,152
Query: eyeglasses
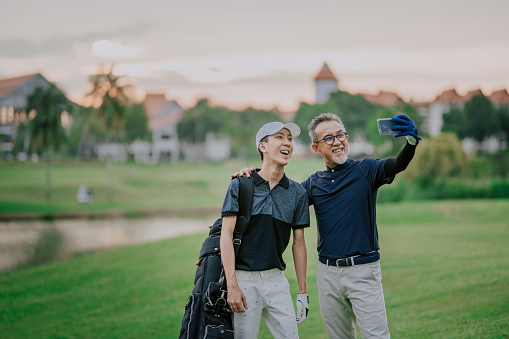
x,y
329,139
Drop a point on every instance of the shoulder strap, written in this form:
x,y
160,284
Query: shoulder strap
x,y
246,194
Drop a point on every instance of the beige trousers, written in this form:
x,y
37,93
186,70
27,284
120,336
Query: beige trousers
x,y
268,296
352,293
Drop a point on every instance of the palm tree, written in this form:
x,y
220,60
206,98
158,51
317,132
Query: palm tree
x,y
46,105
110,99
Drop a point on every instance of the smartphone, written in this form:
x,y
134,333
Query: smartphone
x,y
385,126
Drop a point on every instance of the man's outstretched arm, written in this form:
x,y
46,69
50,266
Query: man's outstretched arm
x,y
405,127
398,164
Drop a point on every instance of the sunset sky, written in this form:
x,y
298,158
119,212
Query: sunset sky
x,y
261,53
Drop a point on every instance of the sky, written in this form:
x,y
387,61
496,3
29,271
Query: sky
x,y
260,53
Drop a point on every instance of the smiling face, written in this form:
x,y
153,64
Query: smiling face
x,y
278,147
335,154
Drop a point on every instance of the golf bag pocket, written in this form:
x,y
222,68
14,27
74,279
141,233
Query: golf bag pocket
x,y
191,321
216,298
218,332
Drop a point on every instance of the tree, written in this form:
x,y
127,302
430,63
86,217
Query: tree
x,y
242,126
239,126
200,120
455,121
110,98
481,118
437,159
307,112
46,133
503,123
354,111
136,124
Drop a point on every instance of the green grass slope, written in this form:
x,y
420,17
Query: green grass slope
x,y
444,264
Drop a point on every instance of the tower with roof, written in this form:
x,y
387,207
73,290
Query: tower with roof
x,y
325,84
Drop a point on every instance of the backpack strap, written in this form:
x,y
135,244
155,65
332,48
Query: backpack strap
x,y
246,194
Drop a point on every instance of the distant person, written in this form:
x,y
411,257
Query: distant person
x,y
257,286
344,196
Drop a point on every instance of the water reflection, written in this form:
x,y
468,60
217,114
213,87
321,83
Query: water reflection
x,y
28,243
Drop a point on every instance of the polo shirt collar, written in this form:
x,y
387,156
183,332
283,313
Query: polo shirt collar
x,y
258,179
339,166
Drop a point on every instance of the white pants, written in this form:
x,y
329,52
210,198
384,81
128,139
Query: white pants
x,y
268,296
352,293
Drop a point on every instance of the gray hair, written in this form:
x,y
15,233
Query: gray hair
x,y
319,119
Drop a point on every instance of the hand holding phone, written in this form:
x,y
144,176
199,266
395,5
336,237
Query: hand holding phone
x,y
399,126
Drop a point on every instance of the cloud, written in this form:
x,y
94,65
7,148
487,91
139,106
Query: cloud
x,y
107,48
164,80
65,45
16,48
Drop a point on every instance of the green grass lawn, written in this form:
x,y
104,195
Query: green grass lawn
x,y
137,187
445,271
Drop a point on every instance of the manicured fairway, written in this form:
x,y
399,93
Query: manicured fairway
x,y
445,271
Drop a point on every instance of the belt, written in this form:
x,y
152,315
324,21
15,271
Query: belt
x,y
351,261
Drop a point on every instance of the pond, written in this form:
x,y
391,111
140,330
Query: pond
x,y
29,243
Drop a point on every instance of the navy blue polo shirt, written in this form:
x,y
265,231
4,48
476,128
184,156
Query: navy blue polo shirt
x,y
344,199
274,215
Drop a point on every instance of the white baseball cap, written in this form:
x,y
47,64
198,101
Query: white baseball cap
x,y
274,127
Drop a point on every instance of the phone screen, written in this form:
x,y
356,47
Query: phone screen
x,y
385,126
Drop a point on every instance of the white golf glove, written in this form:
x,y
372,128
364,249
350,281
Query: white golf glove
x,y
302,307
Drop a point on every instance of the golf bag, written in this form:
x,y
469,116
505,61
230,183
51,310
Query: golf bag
x,y
207,314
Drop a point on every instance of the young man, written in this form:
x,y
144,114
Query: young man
x,y
344,197
255,279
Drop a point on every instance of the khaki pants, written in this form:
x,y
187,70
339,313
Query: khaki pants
x,y
352,293
268,296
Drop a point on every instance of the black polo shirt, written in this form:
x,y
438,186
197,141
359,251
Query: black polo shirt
x,y
344,198
274,215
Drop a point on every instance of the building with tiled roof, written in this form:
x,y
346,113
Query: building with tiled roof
x,y
500,98
13,101
154,102
449,96
383,98
163,117
14,91
325,84
433,111
471,94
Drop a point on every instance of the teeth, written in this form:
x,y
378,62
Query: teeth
x,y
285,152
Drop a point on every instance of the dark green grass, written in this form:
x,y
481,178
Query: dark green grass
x,y
444,264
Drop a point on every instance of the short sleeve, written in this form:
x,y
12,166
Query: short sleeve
x,y
231,200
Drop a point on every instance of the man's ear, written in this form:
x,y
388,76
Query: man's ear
x,y
261,147
315,148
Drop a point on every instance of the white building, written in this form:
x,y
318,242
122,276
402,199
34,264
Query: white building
x,y
325,84
163,117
